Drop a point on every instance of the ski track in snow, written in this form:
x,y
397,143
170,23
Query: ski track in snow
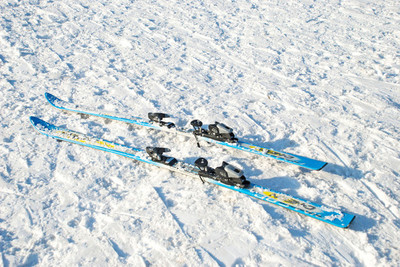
x,y
319,79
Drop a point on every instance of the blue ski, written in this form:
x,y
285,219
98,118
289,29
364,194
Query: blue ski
x,y
219,134
200,170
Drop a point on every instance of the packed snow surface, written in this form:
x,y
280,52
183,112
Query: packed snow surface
x,y
315,78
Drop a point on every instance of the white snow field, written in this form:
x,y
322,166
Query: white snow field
x,y
315,78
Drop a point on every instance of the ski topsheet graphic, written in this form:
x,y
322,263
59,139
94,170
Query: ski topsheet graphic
x,y
217,133
225,176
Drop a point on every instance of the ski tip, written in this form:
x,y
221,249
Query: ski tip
x,y
51,99
48,95
40,124
35,121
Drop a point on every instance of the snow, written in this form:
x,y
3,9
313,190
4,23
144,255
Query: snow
x,y
315,78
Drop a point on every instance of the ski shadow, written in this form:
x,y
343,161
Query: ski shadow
x,y
248,169
343,171
284,143
362,223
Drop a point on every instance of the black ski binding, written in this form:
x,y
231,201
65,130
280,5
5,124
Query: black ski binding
x,y
197,126
221,131
202,164
158,118
217,131
197,130
226,173
156,154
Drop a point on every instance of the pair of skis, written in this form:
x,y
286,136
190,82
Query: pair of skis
x,y
226,176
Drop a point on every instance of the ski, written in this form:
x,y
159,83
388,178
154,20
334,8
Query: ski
x,y
217,133
225,176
